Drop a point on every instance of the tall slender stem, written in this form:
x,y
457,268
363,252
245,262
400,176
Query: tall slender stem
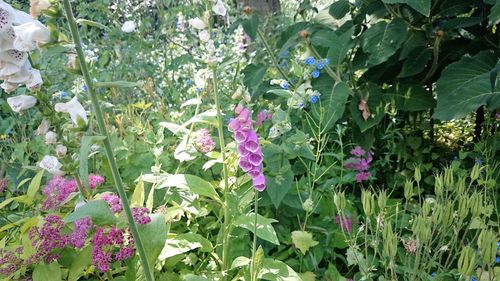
x,y
273,58
107,144
254,246
226,225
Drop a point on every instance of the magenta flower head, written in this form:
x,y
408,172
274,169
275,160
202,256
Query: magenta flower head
x,y
203,141
251,155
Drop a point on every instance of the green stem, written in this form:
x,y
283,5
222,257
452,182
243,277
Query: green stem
x,y
253,270
227,219
273,58
107,143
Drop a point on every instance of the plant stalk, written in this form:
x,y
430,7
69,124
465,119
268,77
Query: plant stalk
x,y
107,143
253,270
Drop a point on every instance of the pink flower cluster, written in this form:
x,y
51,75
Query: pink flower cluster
x,y
10,261
112,245
95,180
360,162
262,116
203,141
47,239
141,215
80,233
345,224
3,184
57,191
251,155
113,201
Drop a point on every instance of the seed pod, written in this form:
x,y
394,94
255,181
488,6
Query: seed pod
x,y
438,185
339,200
448,178
463,208
382,200
475,204
461,185
390,241
417,175
247,10
368,201
487,243
426,208
303,34
408,190
474,174
447,215
466,261
436,216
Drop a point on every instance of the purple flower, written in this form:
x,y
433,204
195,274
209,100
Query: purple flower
x,y
113,201
261,117
360,162
3,184
80,233
57,191
362,176
141,215
251,155
358,151
47,239
345,224
203,141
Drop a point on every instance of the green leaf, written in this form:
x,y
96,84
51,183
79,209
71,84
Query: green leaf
x,y
331,105
251,26
153,236
184,243
375,104
339,9
91,23
81,261
303,240
253,75
44,272
383,39
415,39
34,184
298,146
138,195
87,142
421,6
410,97
97,210
207,117
193,183
264,228
465,85
494,16
416,62
279,185
338,44
117,84
191,277
275,270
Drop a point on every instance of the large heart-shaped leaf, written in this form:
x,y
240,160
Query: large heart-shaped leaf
x,y
465,85
421,6
153,235
383,39
331,105
193,183
264,228
97,210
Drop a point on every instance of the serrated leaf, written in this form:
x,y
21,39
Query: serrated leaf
x,y
303,241
279,185
416,62
465,85
97,210
275,270
253,74
383,39
81,261
421,6
193,183
264,228
87,142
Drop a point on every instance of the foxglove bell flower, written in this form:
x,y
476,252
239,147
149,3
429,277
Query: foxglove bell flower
x,y
29,34
37,6
75,110
219,8
21,102
197,23
251,156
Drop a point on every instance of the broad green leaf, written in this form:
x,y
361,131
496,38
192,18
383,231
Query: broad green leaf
x,y
416,62
465,85
275,270
339,9
421,6
240,262
375,104
35,184
44,272
117,84
415,39
494,16
332,103
193,183
153,235
279,185
264,228
138,195
81,261
251,26
298,145
174,128
185,150
410,97
303,240
383,39
97,210
207,117
338,44
191,277
87,142
184,243
253,75
91,23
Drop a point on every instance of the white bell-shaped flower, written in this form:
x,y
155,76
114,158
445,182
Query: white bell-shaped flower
x,y
204,35
37,6
43,128
128,26
29,34
8,87
61,150
219,8
35,81
51,165
75,110
50,137
21,102
197,23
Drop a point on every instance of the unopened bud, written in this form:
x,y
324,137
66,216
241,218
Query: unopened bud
x,y
408,190
368,201
382,200
448,178
417,175
438,184
466,261
463,208
339,200
247,10
303,34
474,174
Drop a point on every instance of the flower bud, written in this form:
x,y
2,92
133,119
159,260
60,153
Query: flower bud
x,y
50,137
303,34
436,216
475,204
487,243
368,200
339,200
447,215
382,200
463,208
466,261
417,175
408,190
247,10
61,150
426,208
421,228
438,185
474,174
460,187
390,241
448,178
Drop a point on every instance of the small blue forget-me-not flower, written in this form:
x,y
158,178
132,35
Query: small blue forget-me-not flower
x,y
310,61
315,74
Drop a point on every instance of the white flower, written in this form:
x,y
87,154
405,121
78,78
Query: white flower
x,y
219,8
204,35
50,138
29,34
43,128
128,26
51,165
8,87
21,102
35,80
61,150
197,23
75,110
37,6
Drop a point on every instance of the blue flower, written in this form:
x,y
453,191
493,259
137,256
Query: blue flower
x,y
498,245
284,85
85,88
315,74
301,105
310,61
189,82
479,161
320,65
326,61
473,278
433,274
497,260
314,99
455,157
199,89
63,94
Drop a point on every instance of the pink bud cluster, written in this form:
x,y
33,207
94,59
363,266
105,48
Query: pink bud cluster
x,y
345,224
360,162
80,233
113,201
56,191
47,239
262,116
251,155
112,245
95,180
10,261
3,184
141,215
203,141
